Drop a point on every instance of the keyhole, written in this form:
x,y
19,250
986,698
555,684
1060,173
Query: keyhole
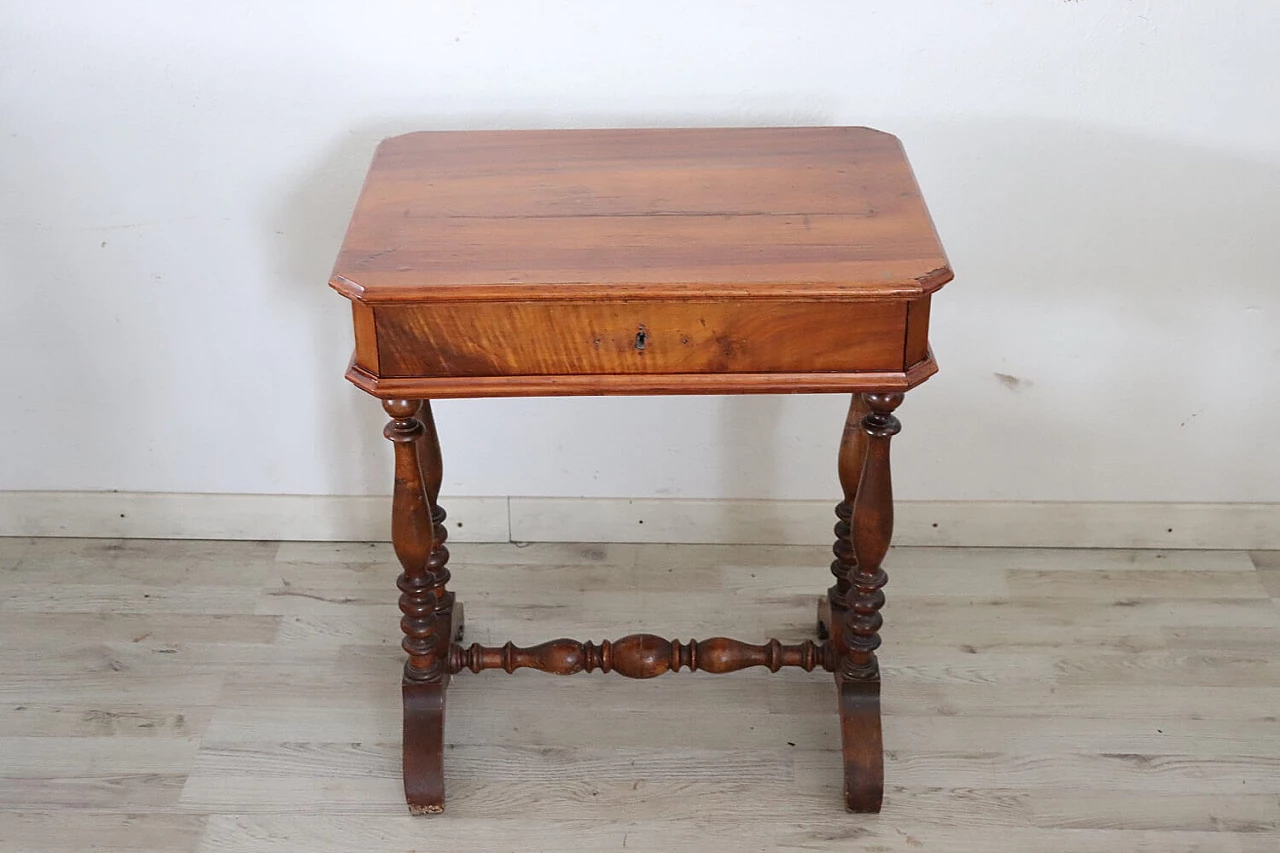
x,y
641,337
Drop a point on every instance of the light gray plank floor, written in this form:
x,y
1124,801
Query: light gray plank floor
x,y
230,696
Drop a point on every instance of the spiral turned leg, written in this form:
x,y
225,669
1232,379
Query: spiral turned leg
x,y
853,449
418,534
858,678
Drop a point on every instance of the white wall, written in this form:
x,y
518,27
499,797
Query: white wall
x,y
175,178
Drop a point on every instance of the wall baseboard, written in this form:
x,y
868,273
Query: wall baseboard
x,y
480,519
170,515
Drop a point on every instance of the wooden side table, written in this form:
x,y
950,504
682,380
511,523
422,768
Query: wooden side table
x,y
597,262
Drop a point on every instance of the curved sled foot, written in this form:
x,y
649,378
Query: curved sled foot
x,y
863,749
424,746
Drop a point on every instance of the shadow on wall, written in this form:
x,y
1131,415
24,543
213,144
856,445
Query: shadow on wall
x,y
1108,285
312,221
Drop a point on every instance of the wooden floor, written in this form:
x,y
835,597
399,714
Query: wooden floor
x,y
223,696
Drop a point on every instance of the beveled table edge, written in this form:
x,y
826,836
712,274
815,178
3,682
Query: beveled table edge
x,y
612,385
910,289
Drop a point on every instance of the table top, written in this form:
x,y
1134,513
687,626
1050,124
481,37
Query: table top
x,y
808,212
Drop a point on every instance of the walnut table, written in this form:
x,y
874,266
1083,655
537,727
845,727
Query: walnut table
x,y
597,262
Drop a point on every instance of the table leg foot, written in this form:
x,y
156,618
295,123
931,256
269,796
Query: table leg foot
x,y
861,743
424,746
858,678
418,535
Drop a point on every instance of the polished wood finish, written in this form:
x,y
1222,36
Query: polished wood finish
x,y
871,531
424,599
571,385
530,263
861,742
853,450
818,212
696,261
366,335
858,678
418,533
591,338
644,656
917,349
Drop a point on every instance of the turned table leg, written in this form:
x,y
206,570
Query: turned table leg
x,y
858,677
853,450
432,464
418,534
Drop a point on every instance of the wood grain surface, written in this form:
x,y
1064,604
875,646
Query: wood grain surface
x,y
614,384
571,214
692,261
1034,700
660,213
597,337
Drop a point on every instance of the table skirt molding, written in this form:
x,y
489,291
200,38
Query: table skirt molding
x,y
339,518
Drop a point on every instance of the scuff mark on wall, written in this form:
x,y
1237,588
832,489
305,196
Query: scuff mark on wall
x,y
1013,383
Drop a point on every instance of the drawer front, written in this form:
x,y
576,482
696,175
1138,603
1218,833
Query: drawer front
x,y
595,337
